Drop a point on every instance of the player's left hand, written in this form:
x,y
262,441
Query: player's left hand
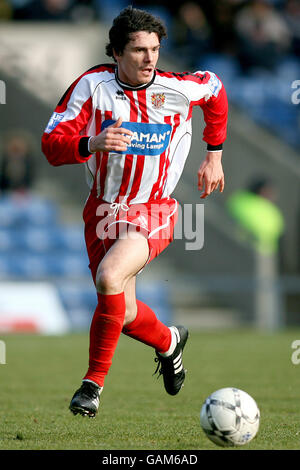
x,y
210,174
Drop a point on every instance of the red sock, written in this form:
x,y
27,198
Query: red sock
x,y
148,329
105,331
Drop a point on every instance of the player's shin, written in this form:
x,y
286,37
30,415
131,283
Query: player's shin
x,y
105,331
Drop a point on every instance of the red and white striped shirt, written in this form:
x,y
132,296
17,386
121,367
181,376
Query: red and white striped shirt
x,y
159,114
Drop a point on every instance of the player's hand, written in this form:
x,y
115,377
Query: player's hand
x,y
112,138
210,174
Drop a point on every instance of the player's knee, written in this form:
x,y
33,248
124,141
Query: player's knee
x,y
108,281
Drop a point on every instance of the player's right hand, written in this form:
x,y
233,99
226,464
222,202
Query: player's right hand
x,y
112,138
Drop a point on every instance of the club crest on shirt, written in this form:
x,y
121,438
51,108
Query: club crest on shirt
x,y
158,100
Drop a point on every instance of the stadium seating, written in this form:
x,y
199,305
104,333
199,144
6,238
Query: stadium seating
x,y
36,246
265,96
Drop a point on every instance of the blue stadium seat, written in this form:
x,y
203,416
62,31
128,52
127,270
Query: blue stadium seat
x,y
264,95
73,266
7,241
79,301
78,296
5,267
71,238
68,239
43,239
226,67
38,240
156,295
31,266
289,69
20,211
109,9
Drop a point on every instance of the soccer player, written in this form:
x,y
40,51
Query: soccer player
x,y
130,124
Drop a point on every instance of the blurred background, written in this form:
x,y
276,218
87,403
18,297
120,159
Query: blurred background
x,y
248,271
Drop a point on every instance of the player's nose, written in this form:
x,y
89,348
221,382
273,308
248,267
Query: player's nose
x,y
148,57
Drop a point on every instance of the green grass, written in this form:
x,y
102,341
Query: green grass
x,y
42,373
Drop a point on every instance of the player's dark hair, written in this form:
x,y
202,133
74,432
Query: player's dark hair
x,y
132,20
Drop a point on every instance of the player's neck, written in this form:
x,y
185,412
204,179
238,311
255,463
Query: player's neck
x,y
129,86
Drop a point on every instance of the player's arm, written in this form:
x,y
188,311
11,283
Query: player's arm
x,y
215,110
64,140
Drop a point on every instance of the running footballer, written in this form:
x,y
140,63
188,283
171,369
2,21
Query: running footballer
x,y
129,123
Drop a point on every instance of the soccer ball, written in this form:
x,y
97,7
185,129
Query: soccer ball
x,y
230,417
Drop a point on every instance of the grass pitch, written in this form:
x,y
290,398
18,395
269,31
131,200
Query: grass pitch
x,y
42,373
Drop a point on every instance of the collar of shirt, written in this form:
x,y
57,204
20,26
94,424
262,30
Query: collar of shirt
x,y
126,86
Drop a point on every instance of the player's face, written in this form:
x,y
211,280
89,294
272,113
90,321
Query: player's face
x,y
137,62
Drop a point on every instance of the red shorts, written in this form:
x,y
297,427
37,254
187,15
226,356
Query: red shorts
x,y
104,222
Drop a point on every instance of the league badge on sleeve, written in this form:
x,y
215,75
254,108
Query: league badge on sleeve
x,y
214,84
55,119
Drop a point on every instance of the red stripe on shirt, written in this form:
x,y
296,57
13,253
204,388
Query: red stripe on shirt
x,y
167,164
129,158
138,172
143,105
63,102
76,125
156,192
103,161
155,187
126,177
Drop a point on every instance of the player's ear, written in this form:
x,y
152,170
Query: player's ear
x,y
116,55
